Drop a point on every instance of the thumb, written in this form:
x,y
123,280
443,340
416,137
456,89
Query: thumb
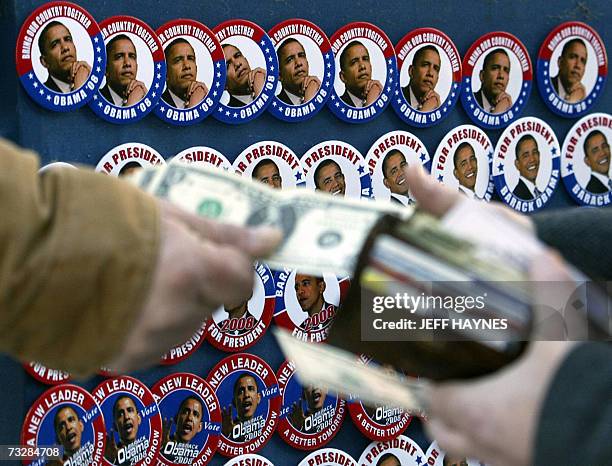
x,y
431,196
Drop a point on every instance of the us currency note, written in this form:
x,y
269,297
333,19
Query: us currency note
x,y
321,233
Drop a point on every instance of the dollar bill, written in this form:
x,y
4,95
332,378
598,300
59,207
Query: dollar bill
x,y
321,233
342,372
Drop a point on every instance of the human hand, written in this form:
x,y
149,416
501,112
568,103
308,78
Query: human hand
x,y
310,87
227,421
503,103
257,79
79,73
110,449
297,416
201,265
430,101
135,92
195,94
371,92
576,93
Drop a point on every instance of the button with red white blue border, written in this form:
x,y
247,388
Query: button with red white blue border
x,y
195,72
386,160
133,421
526,164
247,390
306,305
463,161
60,56
45,374
306,70
123,159
429,68
252,71
191,419
366,72
203,156
328,457
403,451
181,352
337,168
572,69
378,422
239,325
585,160
271,163
135,71
497,75
310,416
68,417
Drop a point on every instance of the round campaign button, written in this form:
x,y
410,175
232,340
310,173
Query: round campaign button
x,y
135,71
429,69
191,419
271,163
572,69
306,70
203,156
306,305
526,164
497,76
585,160
252,71
337,168
463,161
68,417
60,58
45,374
401,451
386,161
310,416
195,72
181,352
249,460
132,419
378,422
328,457
366,72
121,160
239,325
247,390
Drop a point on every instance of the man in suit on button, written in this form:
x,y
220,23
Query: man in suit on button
x,y
58,55
527,162
597,158
242,83
492,96
329,178
122,89
424,72
466,169
572,63
394,178
182,88
356,74
298,86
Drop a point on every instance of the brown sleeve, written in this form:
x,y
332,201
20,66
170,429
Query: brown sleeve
x,y
77,255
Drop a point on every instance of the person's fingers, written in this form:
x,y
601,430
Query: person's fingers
x,y
451,441
227,274
432,197
256,242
